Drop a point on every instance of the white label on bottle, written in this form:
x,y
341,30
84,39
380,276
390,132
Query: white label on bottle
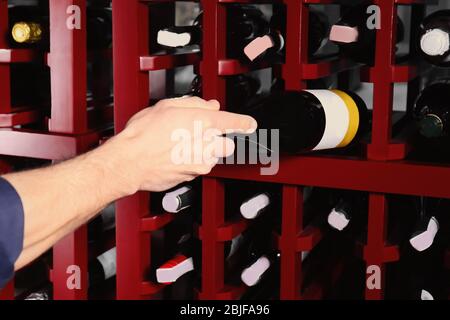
x,y
108,262
337,119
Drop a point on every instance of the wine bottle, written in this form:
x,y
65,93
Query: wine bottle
x,y
188,256
254,206
431,110
259,256
250,200
186,260
241,89
181,36
179,199
351,209
412,219
434,38
273,42
319,30
30,28
423,276
353,36
427,225
312,120
104,222
100,270
245,24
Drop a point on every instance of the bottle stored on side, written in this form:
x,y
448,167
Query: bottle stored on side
x,y
355,38
434,38
432,110
100,270
30,28
312,120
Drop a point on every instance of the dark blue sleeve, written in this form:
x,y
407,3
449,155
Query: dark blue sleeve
x,y
11,230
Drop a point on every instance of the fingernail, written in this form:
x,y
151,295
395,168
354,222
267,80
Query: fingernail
x,y
253,126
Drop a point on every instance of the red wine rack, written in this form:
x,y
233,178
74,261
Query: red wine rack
x,y
383,170
70,129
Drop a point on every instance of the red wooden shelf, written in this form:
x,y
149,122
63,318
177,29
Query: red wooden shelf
x,y
150,289
228,231
17,55
19,116
41,145
228,293
374,173
389,253
309,238
398,73
154,223
161,62
232,67
349,173
324,69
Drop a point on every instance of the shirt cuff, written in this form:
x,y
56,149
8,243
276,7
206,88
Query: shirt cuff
x,y
11,230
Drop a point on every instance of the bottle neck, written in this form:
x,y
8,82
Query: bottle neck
x,y
27,32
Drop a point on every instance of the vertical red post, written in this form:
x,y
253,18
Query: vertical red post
x,y
292,214
296,44
68,63
131,94
376,235
70,260
292,217
5,76
383,89
214,87
214,50
212,250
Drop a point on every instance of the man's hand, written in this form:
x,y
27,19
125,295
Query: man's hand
x,y
59,199
143,154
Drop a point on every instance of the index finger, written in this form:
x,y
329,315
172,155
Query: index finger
x,y
227,122
192,103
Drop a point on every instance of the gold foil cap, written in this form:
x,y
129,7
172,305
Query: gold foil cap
x,y
26,32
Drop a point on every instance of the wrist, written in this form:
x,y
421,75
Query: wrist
x,y
110,169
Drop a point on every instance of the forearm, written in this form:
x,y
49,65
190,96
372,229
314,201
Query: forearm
x,y
59,199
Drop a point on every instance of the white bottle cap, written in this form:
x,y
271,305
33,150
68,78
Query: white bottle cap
x,y
172,202
337,220
424,240
435,42
174,269
425,295
173,39
344,34
251,208
253,274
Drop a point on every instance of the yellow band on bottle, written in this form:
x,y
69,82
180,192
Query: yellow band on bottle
x,y
353,112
